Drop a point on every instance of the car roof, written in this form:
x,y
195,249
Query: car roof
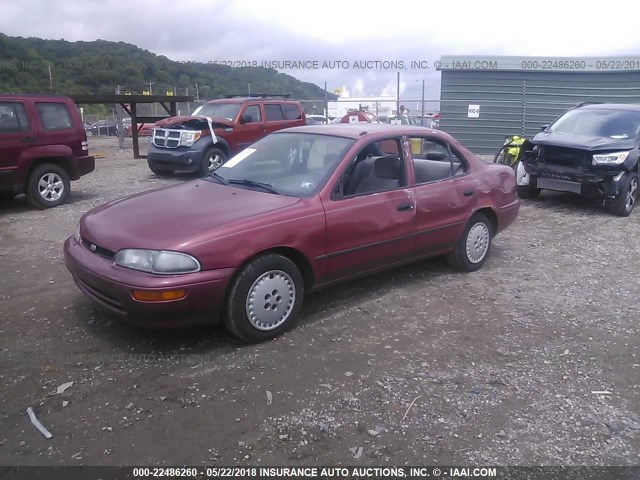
x,y
611,106
34,96
359,130
240,100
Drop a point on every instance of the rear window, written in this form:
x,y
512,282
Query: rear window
x,y
291,112
13,118
54,116
273,112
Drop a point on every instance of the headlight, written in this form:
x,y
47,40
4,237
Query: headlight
x,y
189,138
157,261
614,158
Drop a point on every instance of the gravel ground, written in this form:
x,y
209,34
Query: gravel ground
x,y
419,365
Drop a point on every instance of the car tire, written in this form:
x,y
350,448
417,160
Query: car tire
x,y
264,298
212,159
48,186
161,172
472,249
625,200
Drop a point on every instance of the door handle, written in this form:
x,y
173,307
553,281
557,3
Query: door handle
x,y
405,206
29,139
468,193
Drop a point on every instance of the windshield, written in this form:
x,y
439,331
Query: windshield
x,y
294,164
220,110
599,123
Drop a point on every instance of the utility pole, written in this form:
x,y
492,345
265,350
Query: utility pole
x,y
326,103
422,102
197,93
249,88
50,79
398,95
154,105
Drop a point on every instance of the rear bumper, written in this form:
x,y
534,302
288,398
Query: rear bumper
x,y
111,286
185,159
507,214
84,165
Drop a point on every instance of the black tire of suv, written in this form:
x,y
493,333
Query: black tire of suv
x,y
161,171
47,172
529,191
210,152
625,200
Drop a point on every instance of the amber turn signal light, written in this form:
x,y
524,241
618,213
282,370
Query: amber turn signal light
x,y
158,295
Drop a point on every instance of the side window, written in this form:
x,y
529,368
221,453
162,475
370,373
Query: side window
x,y
13,118
291,111
434,160
254,112
378,167
273,112
54,116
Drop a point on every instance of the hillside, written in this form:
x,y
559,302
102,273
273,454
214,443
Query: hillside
x,y
101,66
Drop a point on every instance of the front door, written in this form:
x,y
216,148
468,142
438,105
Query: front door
x,y
370,219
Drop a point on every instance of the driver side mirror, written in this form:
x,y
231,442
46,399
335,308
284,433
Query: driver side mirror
x,y
544,127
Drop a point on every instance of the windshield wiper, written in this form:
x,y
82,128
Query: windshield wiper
x,y
253,183
219,178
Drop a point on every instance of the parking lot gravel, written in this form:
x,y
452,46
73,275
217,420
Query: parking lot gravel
x,y
533,360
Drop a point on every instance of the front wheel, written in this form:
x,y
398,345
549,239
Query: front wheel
x,y
472,248
264,298
48,186
625,200
213,159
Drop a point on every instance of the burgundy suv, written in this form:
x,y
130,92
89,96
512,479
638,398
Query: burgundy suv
x,y
218,130
43,146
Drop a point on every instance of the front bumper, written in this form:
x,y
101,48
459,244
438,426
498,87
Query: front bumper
x,y
565,179
181,158
111,285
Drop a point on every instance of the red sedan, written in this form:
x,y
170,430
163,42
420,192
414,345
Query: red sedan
x,y
301,209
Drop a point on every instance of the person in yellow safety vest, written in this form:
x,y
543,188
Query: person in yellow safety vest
x,y
513,150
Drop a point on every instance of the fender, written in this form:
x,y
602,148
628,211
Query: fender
x,y
207,141
30,155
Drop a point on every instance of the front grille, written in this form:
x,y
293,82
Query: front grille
x,y
566,157
98,250
166,138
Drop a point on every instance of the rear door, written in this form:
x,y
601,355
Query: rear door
x,y
445,193
16,135
274,117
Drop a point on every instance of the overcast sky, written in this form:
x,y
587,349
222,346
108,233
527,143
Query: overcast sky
x,y
338,31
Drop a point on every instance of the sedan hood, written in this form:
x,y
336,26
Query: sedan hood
x,y
583,142
171,217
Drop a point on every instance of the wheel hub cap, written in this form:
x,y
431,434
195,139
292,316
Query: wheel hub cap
x,y
477,242
631,193
50,187
214,162
270,300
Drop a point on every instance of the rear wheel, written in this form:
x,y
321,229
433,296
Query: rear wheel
x,y
625,200
213,159
264,298
472,248
48,186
